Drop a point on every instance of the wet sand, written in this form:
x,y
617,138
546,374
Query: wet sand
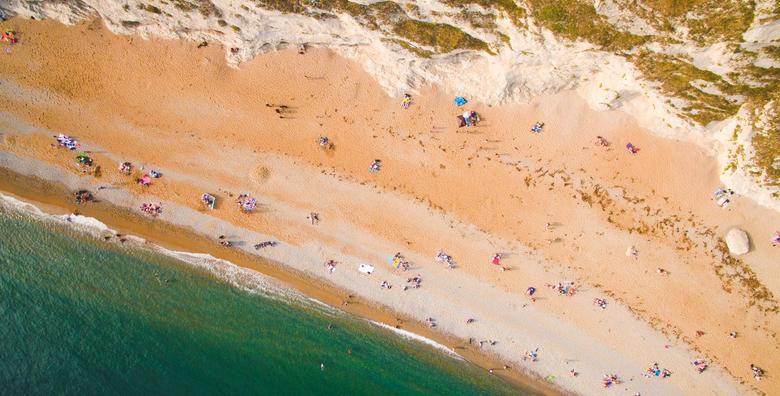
x,y
56,199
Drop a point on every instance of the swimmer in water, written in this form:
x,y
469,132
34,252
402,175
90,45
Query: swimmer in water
x,y
322,366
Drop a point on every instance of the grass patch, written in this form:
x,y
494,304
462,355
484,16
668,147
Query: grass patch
x,y
423,53
478,20
767,144
676,78
150,8
390,17
221,23
444,38
719,20
574,20
184,5
772,51
206,8
515,13
130,24
235,28
707,21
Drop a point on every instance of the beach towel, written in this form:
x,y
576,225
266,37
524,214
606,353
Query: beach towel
x,y
366,269
460,101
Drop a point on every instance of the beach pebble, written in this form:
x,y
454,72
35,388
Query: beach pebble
x,y
737,241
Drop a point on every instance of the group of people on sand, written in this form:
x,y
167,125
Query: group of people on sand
x,y
758,372
407,101
416,282
152,209
600,302
656,371
376,166
84,159
324,143
126,168
399,262
9,36
564,288
700,365
208,200
609,379
495,259
469,118
445,258
631,148
601,142
246,203
67,142
330,265
532,355
722,196
83,196
146,179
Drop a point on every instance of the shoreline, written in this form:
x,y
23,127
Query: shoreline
x,y
472,192
50,198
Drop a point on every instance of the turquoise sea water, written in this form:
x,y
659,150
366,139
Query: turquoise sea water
x,y
80,316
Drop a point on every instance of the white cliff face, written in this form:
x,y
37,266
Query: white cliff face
x,y
526,62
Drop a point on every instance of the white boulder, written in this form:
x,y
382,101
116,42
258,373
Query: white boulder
x,y
738,241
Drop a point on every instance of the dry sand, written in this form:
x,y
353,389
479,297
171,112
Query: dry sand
x,y
473,192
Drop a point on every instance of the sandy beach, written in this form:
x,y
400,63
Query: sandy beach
x,y
556,206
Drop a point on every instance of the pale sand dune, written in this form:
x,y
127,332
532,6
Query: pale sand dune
x,y
473,192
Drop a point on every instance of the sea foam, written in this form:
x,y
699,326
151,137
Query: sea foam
x,y
417,337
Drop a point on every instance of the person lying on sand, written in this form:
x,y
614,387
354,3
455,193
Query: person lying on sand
x,y
758,372
264,244
407,101
700,365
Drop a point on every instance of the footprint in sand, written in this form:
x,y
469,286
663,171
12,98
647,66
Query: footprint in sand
x,y
260,174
